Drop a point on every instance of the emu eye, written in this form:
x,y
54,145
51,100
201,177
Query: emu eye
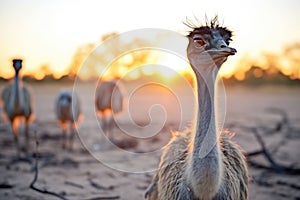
x,y
199,41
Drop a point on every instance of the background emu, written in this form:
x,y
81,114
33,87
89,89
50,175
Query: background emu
x,y
67,110
108,101
203,164
17,104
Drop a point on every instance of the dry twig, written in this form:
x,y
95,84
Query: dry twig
x,y
100,187
44,191
274,166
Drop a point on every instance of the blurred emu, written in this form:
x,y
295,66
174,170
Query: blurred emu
x,y
17,104
108,101
67,110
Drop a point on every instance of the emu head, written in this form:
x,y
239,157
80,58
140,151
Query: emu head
x,y
65,100
209,42
17,64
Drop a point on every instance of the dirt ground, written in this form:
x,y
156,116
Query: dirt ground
x,y
96,168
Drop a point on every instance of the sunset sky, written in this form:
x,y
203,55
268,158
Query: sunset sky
x,y
49,32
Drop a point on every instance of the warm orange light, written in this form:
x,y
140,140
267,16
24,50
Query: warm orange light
x,y
285,66
135,64
239,76
257,73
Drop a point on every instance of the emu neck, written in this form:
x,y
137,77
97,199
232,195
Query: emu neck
x,y
206,137
204,166
206,71
17,89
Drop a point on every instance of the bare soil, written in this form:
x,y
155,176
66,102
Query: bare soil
x,y
123,169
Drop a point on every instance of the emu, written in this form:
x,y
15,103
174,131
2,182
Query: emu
x,y
17,104
108,101
203,163
67,110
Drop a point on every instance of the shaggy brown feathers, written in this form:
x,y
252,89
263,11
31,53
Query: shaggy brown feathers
x,y
170,176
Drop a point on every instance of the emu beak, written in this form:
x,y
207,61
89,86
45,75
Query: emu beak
x,y
220,55
229,50
222,52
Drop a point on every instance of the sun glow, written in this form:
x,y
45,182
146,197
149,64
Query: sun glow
x,y
49,33
147,62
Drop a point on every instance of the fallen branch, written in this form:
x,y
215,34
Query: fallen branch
x,y
74,184
44,191
6,186
254,153
282,126
100,187
283,122
265,151
292,185
36,175
18,160
274,166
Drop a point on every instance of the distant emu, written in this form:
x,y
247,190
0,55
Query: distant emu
x,y
203,163
17,104
67,110
108,101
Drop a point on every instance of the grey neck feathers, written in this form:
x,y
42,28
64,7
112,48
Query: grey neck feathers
x,y
206,136
17,89
204,166
206,129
